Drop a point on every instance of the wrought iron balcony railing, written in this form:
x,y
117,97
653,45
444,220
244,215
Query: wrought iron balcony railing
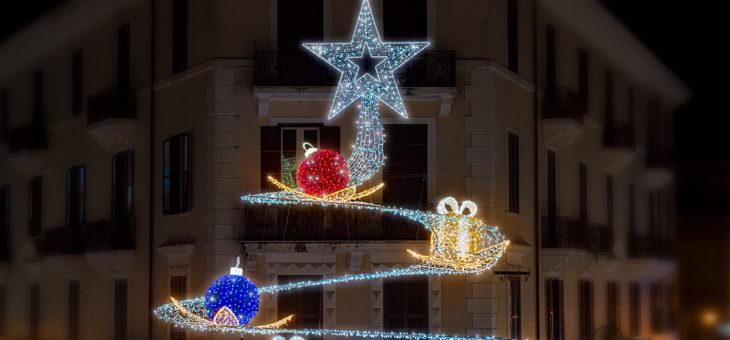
x,y
619,135
111,103
572,233
563,103
297,67
110,234
28,137
282,223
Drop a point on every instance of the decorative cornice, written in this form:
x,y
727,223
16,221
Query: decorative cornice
x,y
593,23
54,30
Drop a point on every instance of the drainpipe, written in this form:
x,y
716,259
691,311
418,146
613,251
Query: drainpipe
x,y
151,189
536,172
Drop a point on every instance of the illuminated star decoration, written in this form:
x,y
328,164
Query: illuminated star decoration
x,y
345,57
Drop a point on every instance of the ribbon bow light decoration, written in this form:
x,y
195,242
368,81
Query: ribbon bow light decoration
x,y
460,242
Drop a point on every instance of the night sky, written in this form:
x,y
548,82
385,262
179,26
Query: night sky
x,y
689,37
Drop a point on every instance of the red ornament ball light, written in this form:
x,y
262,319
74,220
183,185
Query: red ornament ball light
x,y
323,172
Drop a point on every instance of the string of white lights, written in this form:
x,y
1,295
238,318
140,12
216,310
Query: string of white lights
x,y
367,156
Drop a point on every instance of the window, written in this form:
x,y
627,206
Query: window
x,y
583,191
586,309
76,196
515,321
179,35
405,304
73,309
77,81
35,206
612,305
123,57
634,308
35,310
38,99
4,115
657,307
405,173
550,66
299,21
120,309
632,213
512,36
583,80
123,185
555,309
552,192
179,291
631,105
609,201
4,223
405,20
282,152
654,214
176,174
513,155
609,96
306,304
3,303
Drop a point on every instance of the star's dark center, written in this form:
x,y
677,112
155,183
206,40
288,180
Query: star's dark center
x,y
366,64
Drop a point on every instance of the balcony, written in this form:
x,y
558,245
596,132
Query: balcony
x,y
294,74
110,235
572,233
111,118
619,143
60,241
331,224
562,117
659,164
297,67
28,145
646,246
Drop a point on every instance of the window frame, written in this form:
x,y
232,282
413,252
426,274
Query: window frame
x,y
76,212
35,206
180,178
513,172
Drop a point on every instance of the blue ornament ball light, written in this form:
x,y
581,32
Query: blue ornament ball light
x,y
235,292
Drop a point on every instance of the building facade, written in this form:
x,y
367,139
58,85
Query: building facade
x,y
130,129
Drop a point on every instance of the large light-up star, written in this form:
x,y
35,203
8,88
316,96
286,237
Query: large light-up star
x,y
366,43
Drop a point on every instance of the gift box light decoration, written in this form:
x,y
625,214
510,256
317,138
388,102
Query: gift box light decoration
x,y
460,243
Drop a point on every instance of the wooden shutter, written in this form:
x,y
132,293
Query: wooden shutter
x,y
270,156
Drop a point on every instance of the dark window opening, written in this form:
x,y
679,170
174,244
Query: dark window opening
x,y
299,21
583,191
176,174
3,314
4,223
123,185
123,57
586,309
120,309
35,206
77,82
179,35
405,20
513,155
38,100
405,304
179,291
35,310
73,309
405,173
4,115
76,196
609,201
552,193
583,81
305,304
513,36
515,321
612,305
550,77
555,310
657,307
630,103
634,308
632,212
609,97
